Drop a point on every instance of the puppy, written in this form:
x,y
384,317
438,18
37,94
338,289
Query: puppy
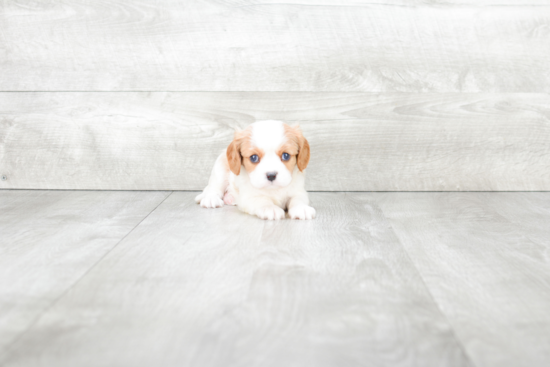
x,y
262,172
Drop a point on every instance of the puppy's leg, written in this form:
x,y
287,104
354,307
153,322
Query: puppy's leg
x,y
298,207
262,207
229,198
212,195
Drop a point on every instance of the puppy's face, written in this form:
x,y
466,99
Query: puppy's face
x,y
269,152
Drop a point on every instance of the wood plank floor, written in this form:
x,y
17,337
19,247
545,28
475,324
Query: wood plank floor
x,y
50,239
486,259
378,279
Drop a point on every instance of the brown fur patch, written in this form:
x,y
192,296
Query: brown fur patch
x,y
291,163
240,150
297,146
290,147
234,158
248,150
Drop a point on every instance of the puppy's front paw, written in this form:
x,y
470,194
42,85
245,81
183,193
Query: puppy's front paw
x,y
271,212
209,200
199,197
301,212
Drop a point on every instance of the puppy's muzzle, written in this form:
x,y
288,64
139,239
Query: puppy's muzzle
x,y
271,176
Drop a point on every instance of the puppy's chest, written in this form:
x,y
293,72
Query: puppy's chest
x,y
281,201
243,191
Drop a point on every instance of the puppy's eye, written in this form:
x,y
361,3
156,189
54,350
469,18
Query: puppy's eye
x,y
285,156
254,158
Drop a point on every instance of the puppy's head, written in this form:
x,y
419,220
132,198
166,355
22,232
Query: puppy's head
x,y
269,151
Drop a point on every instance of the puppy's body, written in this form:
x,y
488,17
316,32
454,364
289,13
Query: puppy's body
x,y
271,184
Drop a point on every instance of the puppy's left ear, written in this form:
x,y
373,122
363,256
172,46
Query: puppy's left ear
x,y
303,150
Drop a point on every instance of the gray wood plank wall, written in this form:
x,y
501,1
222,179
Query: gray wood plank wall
x,y
393,95
360,141
274,46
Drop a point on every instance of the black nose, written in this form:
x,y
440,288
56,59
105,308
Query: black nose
x,y
271,176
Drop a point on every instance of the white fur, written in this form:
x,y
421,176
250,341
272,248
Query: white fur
x,y
269,136
253,193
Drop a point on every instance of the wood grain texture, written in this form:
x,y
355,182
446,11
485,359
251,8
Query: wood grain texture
x,y
197,287
360,141
50,239
485,257
419,46
409,3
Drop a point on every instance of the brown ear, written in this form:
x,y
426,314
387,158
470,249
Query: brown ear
x,y
303,153
234,156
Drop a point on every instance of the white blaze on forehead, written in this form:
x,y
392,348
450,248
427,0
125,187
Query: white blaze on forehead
x,y
268,135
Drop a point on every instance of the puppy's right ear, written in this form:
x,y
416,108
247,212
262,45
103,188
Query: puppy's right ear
x,y
234,155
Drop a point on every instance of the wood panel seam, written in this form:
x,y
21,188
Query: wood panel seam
x,y
64,293
428,290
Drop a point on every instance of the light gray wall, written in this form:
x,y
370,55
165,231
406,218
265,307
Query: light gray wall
x,y
393,95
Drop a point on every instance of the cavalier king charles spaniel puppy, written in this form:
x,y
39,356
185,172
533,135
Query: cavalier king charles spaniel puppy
x,y
262,172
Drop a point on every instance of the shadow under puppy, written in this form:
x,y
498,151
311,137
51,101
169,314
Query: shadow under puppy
x,y
262,172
